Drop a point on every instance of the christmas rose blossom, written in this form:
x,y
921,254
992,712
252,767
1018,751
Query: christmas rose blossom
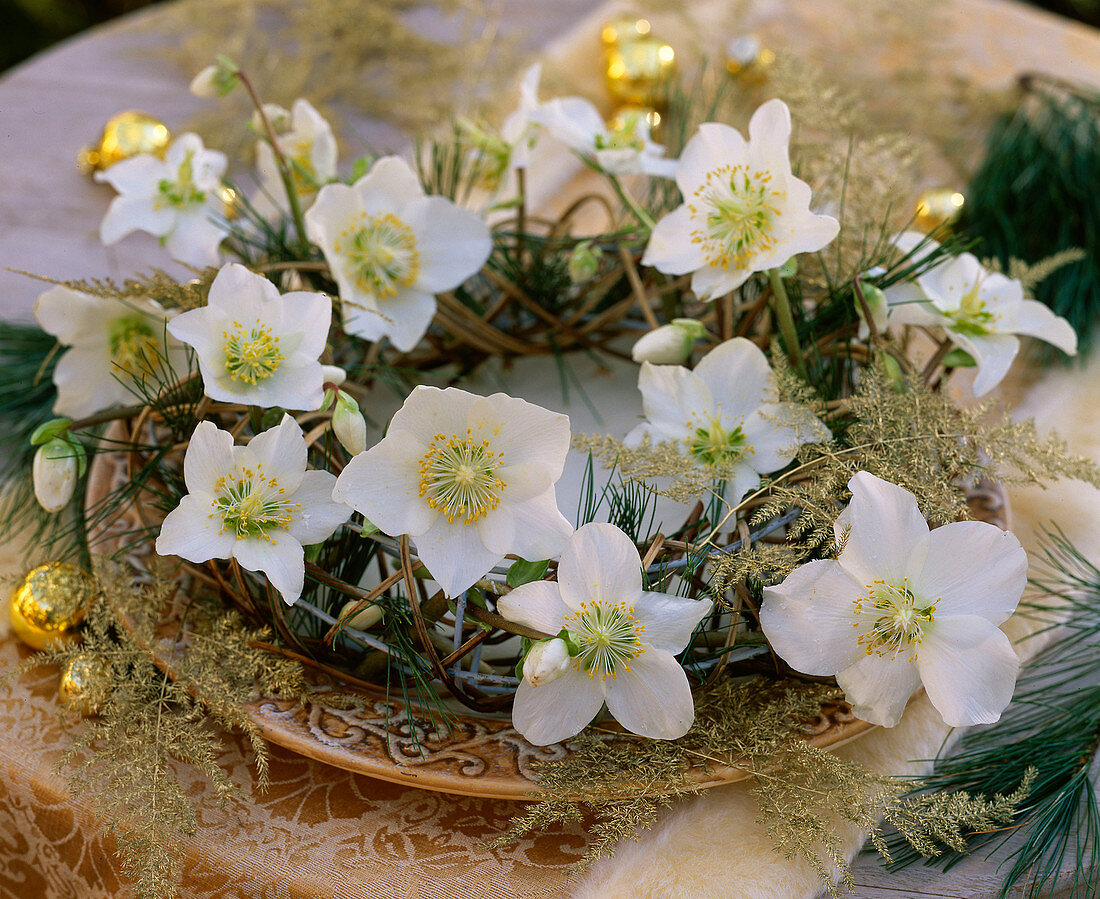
x,y
722,415
255,345
621,642
901,607
391,249
469,478
743,210
257,504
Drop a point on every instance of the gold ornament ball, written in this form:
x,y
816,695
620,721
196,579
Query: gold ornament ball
x,y
125,134
935,208
49,605
84,686
624,29
637,71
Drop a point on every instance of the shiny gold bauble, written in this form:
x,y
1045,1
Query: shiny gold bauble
x,y
624,29
49,605
84,685
941,206
125,134
748,60
638,71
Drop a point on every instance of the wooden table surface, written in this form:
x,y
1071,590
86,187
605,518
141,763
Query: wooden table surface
x,y
50,213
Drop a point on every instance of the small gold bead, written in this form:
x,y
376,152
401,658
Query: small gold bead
x,y
941,206
83,686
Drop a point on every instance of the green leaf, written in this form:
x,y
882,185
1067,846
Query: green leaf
x,y
524,572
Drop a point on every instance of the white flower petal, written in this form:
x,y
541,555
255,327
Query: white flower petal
x,y
994,354
522,430
673,398
907,305
887,535
536,605
525,480
652,698
382,484
712,146
973,568
669,620
670,248
138,176
454,555
71,315
775,431
572,120
808,618
390,185
969,670
318,515
713,281
878,687
453,243
430,410
209,456
127,214
770,130
743,479
193,532
309,314
280,557
541,531
87,382
738,376
497,530
599,565
282,452
1037,320
410,313
196,237
558,710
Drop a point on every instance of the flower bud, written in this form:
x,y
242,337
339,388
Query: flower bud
x,y
333,374
584,262
365,618
876,302
546,662
349,425
216,80
55,470
669,344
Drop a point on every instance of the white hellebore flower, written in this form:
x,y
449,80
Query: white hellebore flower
x,y
309,147
256,504
901,606
176,199
621,643
112,345
255,345
620,149
391,249
981,311
519,131
743,210
469,478
723,415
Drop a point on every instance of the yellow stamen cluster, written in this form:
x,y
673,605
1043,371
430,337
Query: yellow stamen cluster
x,y
607,636
250,504
251,354
380,254
133,344
715,444
900,618
739,208
458,477
972,317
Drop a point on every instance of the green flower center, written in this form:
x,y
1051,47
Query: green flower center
x,y
899,616
251,354
604,637
252,505
717,445
621,135
458,477
972,318
380,255
133,344
738,208
183,191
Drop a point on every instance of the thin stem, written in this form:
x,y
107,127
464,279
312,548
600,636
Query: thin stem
x,y
280,160
782,305
644,218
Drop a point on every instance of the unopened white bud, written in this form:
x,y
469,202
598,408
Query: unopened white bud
x,y
55,470
546,662
876,302
216,80
278,116
333,374
669,344
365,618
584,262
349,425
